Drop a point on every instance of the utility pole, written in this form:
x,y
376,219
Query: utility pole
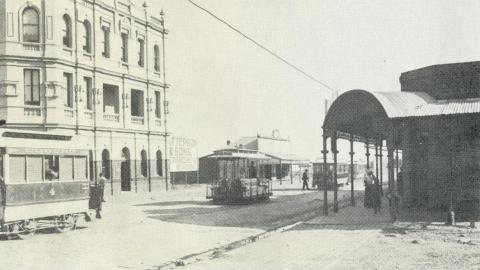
x,y
165,102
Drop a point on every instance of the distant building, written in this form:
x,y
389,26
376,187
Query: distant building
x,y
86,75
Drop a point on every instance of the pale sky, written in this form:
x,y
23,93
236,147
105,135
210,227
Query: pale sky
x,y
223,87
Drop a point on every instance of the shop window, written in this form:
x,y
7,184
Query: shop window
x,y
31,26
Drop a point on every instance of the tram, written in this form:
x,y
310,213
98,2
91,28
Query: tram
x,y
42,188
343,173
237,177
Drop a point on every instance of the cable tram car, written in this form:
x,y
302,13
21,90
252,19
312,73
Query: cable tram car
x,y
42,188
237,177
343,171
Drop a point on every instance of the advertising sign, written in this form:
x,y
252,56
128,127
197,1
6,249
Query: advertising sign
x,y
182,154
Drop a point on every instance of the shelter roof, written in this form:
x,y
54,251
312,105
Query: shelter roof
x,y
287,157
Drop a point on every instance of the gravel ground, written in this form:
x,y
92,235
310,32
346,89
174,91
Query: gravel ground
x,y
357,239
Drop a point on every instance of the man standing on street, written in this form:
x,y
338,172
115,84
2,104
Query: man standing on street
x,y
101,185
305,180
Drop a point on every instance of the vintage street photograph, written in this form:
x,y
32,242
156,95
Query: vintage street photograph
x,y
239,134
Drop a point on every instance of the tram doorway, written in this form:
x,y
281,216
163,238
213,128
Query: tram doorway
x,y
125,174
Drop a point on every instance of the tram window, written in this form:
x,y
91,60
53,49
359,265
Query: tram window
x,y
34,169
80,168
66,168
17,169
51,168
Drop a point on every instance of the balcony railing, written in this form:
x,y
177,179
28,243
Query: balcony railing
x,y
137,120
88,115
68,112
31,47
111,117
32,111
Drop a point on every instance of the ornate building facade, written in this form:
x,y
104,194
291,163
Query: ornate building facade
x,y
87,74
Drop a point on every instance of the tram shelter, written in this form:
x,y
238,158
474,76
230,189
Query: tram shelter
x,y
432,122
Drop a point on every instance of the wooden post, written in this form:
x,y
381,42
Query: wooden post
x,y
335,176
381,164
325,180
352,190
396,162
391,184
376,159
367,146
291,173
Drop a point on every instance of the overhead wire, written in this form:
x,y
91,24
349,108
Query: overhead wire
x,y
258,44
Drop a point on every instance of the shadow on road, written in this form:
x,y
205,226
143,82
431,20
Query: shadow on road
x,y
278,212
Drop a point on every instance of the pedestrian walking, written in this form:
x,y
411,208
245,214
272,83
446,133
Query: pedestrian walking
x,y
99,189
101,184
305,180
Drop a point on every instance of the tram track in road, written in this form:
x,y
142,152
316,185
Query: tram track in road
x,y
300,218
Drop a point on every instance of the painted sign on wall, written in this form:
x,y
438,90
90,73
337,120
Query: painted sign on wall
x,y
182,154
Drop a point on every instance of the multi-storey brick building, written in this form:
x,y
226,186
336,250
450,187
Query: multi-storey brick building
x,y
86,74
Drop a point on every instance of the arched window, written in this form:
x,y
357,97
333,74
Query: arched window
x,y
106,163
159,163
31,27
156,60
87,37
144,163
67,31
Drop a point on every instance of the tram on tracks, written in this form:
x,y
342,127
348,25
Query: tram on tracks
x,y
343,173
42,188
236,177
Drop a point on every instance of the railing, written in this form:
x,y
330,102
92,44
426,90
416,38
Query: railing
x,y
88,115
137,120
68,112
31,47
111,117
29,111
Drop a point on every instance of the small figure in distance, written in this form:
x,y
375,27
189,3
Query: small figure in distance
x,y
305,180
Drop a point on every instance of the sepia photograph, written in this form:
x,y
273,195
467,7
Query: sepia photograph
x,y
239,134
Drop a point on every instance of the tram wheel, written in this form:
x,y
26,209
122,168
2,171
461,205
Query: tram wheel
x,y
64,223
29,228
